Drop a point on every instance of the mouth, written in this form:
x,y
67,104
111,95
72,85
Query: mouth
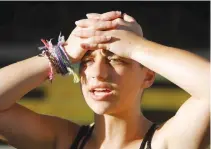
x,y
101,93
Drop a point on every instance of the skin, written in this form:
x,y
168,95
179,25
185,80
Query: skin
x,y
181,131
119,74
118,120
119,112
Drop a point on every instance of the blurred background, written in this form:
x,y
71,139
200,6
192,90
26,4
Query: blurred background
x,y
178,24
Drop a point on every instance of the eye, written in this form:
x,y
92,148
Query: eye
x,y
116,60
87,62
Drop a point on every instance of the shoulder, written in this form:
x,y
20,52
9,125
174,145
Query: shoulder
x,y
159,137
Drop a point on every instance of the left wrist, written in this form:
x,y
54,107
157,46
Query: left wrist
x,y
138,49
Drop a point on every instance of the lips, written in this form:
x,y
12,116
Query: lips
x,y
101,92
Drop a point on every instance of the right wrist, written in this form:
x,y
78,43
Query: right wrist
x,y
59,60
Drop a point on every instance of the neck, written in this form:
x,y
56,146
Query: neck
x,y
120,128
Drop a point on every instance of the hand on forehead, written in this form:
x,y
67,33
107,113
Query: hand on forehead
x,y
96,22
110,31
108,16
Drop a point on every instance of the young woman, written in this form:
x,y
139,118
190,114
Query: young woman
x,y
117,64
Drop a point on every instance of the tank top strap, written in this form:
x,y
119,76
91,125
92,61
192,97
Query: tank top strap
x,y
86,138
81,133
82,136
85,132
148,137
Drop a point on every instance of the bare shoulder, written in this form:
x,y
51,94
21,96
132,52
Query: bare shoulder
x,y
24,128
159,140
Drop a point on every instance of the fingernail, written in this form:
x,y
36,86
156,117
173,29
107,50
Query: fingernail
x,y
118,12
92,17
76,22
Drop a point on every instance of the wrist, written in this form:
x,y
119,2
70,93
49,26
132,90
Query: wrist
x,y
138,50
59,60
54,70
48,68
72,60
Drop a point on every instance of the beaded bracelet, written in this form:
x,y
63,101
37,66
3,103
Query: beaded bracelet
x,y
58,59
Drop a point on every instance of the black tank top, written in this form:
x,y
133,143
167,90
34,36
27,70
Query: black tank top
x,y
86,131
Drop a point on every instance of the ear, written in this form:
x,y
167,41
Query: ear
x,y
149,78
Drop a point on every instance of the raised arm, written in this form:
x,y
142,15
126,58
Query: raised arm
x,y
22,127
189,127
19,78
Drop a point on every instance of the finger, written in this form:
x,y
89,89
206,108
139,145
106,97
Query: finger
x,y
119,22
87,33
98,39
96,24
77,28
94,46
93,15
108,16
128,18
85,23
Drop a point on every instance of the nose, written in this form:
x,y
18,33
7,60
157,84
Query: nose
x,y
99,70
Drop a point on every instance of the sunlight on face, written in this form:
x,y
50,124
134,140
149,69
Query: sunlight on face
x,y
110,83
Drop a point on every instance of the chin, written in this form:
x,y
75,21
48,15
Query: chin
x,y
101,107
100,112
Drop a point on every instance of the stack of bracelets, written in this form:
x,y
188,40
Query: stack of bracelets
x,y
58,59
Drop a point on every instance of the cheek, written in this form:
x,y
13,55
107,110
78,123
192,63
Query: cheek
x,y
130,81
85,73
128,75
